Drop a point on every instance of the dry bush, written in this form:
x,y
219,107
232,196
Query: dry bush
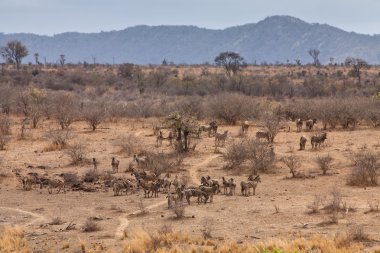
x,y
77,153
272,124
70,179
90,226
353,234
91,176
130,144
316,204
58,139
94,114
261,155
236,154
324,163
335,204
231,107
5,125
12,239
4,139
373,206
179,209
56,221
365,169
293,163
65,109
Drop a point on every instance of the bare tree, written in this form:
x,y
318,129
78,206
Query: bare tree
x,y
231,62
272,124
94,114
357,65
293,163
183,125
64,110
314,53
13,52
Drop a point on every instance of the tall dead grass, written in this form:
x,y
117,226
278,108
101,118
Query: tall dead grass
x,y
12,240
140,241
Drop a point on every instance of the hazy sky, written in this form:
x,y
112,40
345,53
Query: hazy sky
x,y
56,16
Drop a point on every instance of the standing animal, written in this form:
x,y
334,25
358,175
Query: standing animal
x,y
120,184
142,161
204,128
317,140
244,127
207,181
303,141
160,138
214,127
262,135
95,163
220,138
230,184
251,183
115,165
209,190
299,124
310,124
56,183
194,192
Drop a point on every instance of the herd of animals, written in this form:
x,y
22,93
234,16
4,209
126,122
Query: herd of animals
x,y
176,190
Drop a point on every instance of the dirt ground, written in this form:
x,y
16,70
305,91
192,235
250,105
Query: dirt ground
x,y
278,210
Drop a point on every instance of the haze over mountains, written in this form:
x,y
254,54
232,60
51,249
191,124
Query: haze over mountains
x,y
274,39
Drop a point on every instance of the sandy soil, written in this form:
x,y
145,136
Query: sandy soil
x,y
278,210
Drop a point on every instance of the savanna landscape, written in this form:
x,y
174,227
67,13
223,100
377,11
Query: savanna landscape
x,y
200,158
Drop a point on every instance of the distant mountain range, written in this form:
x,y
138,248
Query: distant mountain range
x,y
274,39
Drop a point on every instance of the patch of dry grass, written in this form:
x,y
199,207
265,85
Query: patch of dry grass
x,y
12,240
141,241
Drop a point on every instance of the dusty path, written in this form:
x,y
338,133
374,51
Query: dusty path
x,y
194,170
124,222
37,217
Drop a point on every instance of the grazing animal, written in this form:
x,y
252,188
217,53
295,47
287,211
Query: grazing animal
x,y
299,124
209,190
56,183
207,181
115,165
30,180
194,192
303,141
262,135
121,184
220,138
317,140
251,183
310,124
245,127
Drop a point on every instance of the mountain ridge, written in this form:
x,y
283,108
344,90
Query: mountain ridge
x,y
273,39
